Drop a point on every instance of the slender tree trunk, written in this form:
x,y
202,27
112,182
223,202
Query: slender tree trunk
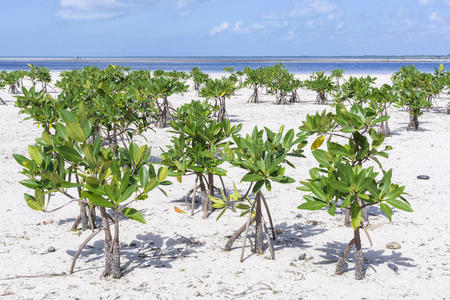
x,y
413,122
205,197
258,226
83,216
108,243
115,257
359,264
347,220
211,184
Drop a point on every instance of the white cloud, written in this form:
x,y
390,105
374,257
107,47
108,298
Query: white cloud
x,y
434,17
340,26
312,7
426,2
238,28
219,28
91,9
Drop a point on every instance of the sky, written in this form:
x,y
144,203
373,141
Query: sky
x,y
224,28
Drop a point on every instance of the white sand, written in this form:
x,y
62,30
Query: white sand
x,y
163,265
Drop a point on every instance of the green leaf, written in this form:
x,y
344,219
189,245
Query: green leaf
x,y
268,185
127,193
21,160
322,157
250,177
338,185
316,189
30,183
35,154
347,201
163,173
140,154
257,186
332,210
97,199
151,185
68,185
32,203
144,176
399,204
387,211
283,179
380,119
75,131
133,214
312,205
356,215
88,153
70,154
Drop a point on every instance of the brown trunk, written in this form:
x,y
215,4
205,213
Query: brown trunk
x,y
211,184
205,197
115,257
84,217
108,243
359,264
347,220
258,226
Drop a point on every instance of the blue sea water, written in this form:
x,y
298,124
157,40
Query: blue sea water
x,y
363,65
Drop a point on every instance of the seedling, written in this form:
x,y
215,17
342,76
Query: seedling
x,y
343,179
195,147
262,154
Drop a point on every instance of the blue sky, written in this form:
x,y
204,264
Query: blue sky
x,y
227,27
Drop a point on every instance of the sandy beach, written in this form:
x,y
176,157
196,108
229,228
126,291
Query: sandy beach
x,y
176,256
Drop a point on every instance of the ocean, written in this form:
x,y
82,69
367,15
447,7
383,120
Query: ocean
x,y
303,64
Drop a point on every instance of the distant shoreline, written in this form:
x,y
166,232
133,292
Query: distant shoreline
x,y
233,59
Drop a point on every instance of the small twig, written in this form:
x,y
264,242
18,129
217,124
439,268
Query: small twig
x,y
55,209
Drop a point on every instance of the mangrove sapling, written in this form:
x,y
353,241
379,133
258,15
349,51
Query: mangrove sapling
x,y
164,86
40,107
295,85
321,84
108,99
342,179
12,80
279,83
32,74
356,90
240,75
385,96
219,90
254,78
262,156
194,149
337,75
44,77
104,180
411,93
199,78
